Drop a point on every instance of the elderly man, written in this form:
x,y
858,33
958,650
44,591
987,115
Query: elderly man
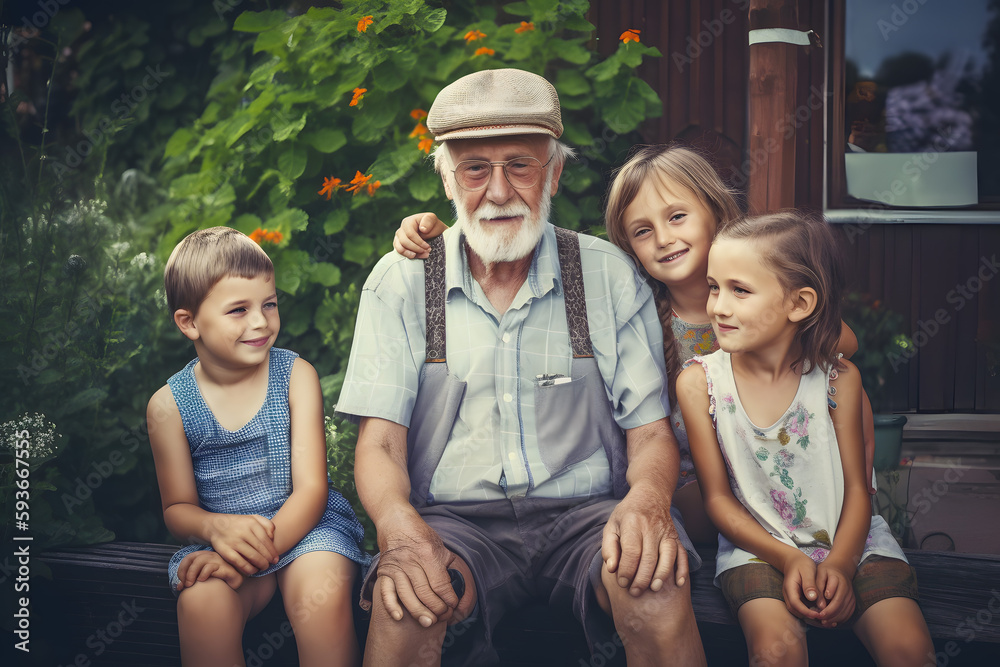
x,y
513,442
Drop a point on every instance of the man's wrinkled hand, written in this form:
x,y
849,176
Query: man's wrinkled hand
x,y
641,545
413,573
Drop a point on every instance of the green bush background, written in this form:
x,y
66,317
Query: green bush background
x,y
197,114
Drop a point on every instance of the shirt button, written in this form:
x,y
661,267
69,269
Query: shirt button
x,y
512,457
508,398
506,338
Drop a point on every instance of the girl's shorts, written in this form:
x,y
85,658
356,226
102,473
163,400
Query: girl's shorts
x,y
878,578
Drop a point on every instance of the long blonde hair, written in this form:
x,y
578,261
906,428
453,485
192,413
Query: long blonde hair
x,y
685,168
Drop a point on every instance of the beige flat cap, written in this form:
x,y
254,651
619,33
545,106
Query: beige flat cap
x,y
494,103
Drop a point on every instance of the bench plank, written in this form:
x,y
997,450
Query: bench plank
x,y
120,590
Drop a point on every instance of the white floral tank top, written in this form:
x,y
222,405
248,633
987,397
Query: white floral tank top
x,y
789,474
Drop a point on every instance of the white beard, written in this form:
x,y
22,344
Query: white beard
x,y
504,245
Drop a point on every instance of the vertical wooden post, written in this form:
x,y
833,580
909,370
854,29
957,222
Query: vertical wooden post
x,y
772,93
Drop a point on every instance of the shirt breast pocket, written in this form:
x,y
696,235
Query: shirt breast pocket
x,y
568,430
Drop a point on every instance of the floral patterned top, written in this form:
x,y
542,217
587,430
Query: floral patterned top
x,y
693,339
788,475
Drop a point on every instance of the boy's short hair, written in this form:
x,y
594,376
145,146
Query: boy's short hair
x,y
204,258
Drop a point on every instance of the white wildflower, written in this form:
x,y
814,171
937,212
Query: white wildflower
x,y
33,428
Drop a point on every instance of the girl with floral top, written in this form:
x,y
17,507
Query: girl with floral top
x,y
774,420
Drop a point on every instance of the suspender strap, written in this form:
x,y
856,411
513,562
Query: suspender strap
x,y
576,300
435,292
573,293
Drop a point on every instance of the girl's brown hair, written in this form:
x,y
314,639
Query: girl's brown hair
x,y
204,258
672,166
802,252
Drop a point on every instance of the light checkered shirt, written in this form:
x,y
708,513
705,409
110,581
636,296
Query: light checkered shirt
x,y
493,450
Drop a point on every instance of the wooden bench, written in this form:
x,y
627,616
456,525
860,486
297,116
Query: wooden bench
x,y
109,605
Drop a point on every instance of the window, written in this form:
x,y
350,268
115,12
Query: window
x,y
915,122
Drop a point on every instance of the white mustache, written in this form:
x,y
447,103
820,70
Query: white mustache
x,y
488,210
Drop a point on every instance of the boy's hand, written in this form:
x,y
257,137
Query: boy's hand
x,y
837,586
802,597
201,565
409,240
245,541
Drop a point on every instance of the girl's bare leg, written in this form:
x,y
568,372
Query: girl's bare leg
x,y
317,588
895,634
211,617
774,636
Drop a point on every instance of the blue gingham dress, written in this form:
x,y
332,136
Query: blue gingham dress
x,y
248,471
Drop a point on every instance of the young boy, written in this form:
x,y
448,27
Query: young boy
x,y
240,459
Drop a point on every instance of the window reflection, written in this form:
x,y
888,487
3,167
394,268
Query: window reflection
x,y
923,76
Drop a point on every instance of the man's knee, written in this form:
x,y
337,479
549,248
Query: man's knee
x,y
669,606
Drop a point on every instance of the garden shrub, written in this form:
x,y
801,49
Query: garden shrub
x,y
305,130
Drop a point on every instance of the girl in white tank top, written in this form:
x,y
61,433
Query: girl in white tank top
x,y
774,422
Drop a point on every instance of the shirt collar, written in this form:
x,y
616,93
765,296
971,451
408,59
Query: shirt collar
x,y
543,275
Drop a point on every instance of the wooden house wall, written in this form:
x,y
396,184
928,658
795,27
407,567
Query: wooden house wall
x,y
914,269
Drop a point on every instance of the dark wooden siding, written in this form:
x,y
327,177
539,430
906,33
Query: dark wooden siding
x,y
704,100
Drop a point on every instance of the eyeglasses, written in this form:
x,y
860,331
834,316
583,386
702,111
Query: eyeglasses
x,y
521,172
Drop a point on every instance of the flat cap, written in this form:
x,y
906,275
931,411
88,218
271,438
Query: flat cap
x,y
493,103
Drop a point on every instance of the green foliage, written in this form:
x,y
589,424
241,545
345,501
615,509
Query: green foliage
x,y
883,346
185,118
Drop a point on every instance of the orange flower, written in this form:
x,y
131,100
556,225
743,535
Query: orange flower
x,y
329,185
360,181
425,144
359,93
267,235
630,35
418,114
484,51
419,130
473,35
526,26
364,23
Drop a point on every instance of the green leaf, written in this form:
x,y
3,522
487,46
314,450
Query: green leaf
x,y
292,161
85,399
431,20
259,21
246,223
566,214
579,24
571,82
390,166
607,69
131,59
542,8
572,52
291,219
325,274
358,249
285,128
178,142
518,9
424,185
336,221
324,139
627,108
